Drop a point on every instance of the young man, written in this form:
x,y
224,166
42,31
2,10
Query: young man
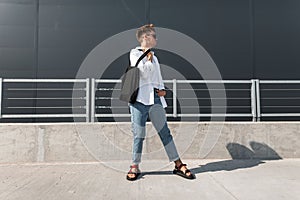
x,y
150,102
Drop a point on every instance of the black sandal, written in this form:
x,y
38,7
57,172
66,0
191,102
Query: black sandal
x,y
183,174
137,173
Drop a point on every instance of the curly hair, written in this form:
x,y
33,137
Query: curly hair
x,y
146,29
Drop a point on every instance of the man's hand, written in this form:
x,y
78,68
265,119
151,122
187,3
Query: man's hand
x,y
161,93
150,56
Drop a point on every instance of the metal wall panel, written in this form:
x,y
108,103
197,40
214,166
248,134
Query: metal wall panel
x,y
221,27
277,39
69,30
17,25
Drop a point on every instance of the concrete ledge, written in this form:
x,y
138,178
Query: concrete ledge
x,y
84,142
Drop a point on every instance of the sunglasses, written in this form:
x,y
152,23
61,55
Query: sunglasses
x,y
153,35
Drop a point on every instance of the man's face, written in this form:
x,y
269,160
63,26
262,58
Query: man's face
x,y
151,39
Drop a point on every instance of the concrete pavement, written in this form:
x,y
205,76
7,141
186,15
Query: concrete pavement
x,y
216,179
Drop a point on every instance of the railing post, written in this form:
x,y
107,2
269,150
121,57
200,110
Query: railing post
x,y
174,98
87,98
253,100
0,98
93,93
258,99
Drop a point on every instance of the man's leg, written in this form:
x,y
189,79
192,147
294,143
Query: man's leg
x,y
158,118
139,115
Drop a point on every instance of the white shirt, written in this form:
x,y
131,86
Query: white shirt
x,y
150,77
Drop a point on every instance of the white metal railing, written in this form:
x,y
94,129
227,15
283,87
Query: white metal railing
x,y
283,90
19,87
113,85
98,98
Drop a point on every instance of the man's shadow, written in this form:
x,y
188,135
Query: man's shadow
x,y
242,157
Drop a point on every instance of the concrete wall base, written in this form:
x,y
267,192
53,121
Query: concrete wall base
x,y
86,142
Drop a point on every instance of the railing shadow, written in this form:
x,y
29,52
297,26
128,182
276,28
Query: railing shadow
x,y
242,157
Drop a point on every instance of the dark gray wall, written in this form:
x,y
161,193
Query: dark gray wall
x,y
246,38
17,39
277,39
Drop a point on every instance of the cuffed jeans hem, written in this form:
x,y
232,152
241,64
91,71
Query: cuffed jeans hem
x,y
136,160
174,159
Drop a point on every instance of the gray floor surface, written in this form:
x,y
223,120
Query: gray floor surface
x,y
216,179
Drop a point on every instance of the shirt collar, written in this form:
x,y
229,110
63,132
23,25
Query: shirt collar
x,y
140,48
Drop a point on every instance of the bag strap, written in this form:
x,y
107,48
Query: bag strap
x,y
142,56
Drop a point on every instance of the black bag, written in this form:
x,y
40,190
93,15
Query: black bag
x,y
130,82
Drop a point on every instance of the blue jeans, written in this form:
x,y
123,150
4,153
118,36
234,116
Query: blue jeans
x,y
139,114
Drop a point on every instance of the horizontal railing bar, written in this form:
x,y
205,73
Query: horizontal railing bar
x,y
179,81
203,98
44,80
281,89
22,98
185,98
217,106
203,89
215,89
37,107
105,89
279,81
210,81
108,80
112,115
280,98
110,107
181,115
45,89
215,115
41,115
106,98
99,106
280,114
279,106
